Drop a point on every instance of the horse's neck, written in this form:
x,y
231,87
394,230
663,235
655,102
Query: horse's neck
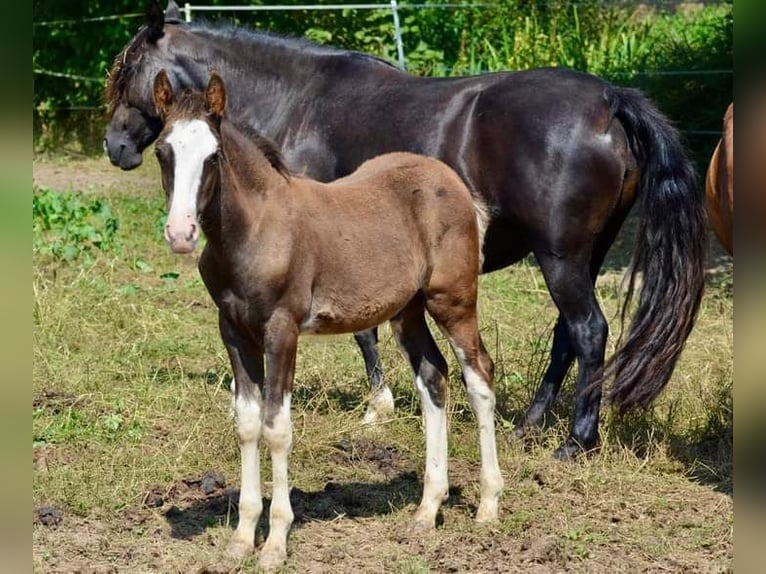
x,y
271,75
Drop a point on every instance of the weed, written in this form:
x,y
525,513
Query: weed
x,y
67,226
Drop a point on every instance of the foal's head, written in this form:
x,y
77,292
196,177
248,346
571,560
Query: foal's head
x,y
188,151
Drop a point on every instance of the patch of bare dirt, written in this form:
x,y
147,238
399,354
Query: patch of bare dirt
x,y
93,175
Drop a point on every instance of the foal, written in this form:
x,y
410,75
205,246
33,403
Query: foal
x,y
288,255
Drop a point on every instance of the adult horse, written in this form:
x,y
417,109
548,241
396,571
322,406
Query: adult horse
x,y
719,184
289,255
559,156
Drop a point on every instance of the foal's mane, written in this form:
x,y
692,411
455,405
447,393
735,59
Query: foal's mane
x,y
128,59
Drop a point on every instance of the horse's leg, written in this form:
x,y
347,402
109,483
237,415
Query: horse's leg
x,y
561,359
571,286
562,351
381,399
458,322
430,371
280,342
247,367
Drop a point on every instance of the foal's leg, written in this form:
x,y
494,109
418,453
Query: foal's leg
x,y
430,371
572,289
247,367
458,322
381,399
281,341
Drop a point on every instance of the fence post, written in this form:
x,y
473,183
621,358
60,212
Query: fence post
x,y
187,11
398,35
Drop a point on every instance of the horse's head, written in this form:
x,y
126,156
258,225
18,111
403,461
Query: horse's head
x,y
134,123
188,152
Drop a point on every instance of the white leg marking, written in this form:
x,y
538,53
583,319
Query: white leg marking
x,y
279,438
380,407
435,483
248,417
482,400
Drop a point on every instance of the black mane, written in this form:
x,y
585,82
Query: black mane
x,y
129,57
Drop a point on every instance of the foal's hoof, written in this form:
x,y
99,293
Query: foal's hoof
x,y
271,559
239,549
487,513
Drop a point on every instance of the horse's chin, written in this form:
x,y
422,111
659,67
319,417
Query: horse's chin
x,y
124,159
183,247
130,162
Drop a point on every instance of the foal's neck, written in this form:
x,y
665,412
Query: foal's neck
x,y
247,181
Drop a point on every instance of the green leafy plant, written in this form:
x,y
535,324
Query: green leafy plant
x,y
67,226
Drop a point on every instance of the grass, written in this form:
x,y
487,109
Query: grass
x,y
130,386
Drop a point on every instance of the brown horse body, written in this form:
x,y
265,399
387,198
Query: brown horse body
x,y
719,184
288,255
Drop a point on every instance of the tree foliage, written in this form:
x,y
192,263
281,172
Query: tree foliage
x,y
681,54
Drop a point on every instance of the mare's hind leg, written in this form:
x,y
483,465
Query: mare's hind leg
x,y
562,355
381,399
562,350
571,286
457,319
430,371
246,358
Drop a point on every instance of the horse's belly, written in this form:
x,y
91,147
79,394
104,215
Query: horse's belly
x,y
354,311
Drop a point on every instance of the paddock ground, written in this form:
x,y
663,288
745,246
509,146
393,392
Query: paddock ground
x,y
135,461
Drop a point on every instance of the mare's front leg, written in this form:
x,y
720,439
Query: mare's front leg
x,y
246,358
381,399
430,371
281,342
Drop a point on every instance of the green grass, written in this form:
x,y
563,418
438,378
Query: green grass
x,y
130,386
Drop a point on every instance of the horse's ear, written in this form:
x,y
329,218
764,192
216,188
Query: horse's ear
x,y
163,93
172,12
215,95
155,21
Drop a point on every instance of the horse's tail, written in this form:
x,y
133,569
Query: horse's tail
x,y
670,254
481,212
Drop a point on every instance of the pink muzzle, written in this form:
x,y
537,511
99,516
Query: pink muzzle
x,y
182,234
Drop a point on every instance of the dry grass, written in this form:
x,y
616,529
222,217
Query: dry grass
x,y
132,410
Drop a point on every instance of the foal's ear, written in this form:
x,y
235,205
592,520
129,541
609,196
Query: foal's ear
x,y
215,95
163,93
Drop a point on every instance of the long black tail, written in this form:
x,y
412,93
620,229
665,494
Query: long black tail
x,y
670,254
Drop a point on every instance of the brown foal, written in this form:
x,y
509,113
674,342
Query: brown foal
x,y
287,255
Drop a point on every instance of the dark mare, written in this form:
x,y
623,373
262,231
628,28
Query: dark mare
x,y
289,255
559,156
719,184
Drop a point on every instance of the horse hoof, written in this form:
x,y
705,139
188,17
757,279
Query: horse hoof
x,y
380,408
423,522
271,560
239,549
486,513
572,449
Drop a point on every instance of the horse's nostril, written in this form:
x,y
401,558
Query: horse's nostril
x,y
193,232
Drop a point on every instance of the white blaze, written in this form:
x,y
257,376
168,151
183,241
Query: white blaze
x,y
192,143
